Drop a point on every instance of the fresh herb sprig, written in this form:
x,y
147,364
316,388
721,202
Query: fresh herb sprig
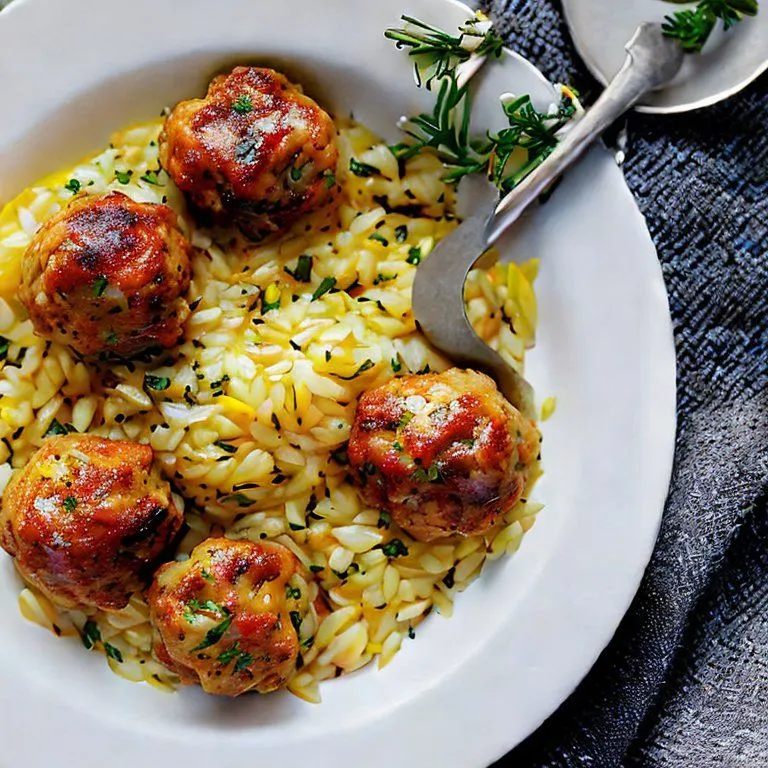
x,y
693,26
446,130
437,53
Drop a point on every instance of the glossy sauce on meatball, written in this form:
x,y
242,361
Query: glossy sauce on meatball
x,y
228,617
255,151
443,453
108,275
87,520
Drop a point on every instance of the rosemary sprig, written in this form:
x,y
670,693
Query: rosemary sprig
x,y
437,53
446,130
692,27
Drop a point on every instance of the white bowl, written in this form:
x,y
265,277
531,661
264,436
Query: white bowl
x,y
469,688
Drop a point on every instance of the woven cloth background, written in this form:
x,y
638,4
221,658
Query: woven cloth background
x,y
685,680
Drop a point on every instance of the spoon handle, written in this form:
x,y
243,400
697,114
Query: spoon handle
x,y
652,60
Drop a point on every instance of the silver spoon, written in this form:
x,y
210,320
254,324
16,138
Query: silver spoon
x,y
438,290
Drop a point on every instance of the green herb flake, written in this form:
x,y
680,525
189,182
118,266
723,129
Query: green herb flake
x,y
296,620
208,576
158,383
113,652
70,504
363,170
90,634
401,233
383,278
411,633
385,520
292,593
243,662
4,347
414,256
124,177
213,636
111,338
366,366
397,366
394,548
316,568
151,178
398,446
55,429
326,285
469,442
226,446
303,271
379,239
99,285
243,104
329,179
73,185
295,173
406,419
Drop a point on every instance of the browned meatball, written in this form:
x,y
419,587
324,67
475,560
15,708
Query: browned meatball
x,y
107,274
443,453
87,520
228,617
255,151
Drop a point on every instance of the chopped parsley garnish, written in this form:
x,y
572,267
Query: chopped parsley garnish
x,y
448,579
73,185
405,419
303,271
382,278
340,456
113,652
296,526
151,178
296,620
4,345
385,520
429,475
363,169
158,383
226,446
90,634
292,593
70,503
379,239
469,442
208,576
326,285
55,429
394,548
316,568
212,636
295,173
243,104
195,607
111,338
124,177
366,366
242,658
397,366
329,179
398,446
414,256
99,286
411,632
401,233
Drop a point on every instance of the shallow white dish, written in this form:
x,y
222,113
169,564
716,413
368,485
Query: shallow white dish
x,y
730,61
522,637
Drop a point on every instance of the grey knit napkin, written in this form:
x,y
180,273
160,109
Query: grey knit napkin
x,y
685,680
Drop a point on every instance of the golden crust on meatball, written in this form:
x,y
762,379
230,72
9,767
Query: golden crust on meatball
x,y
228,617
87,520
443,453
107,274
255,151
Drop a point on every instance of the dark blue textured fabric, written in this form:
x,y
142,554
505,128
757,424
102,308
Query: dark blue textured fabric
x,y
685,680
